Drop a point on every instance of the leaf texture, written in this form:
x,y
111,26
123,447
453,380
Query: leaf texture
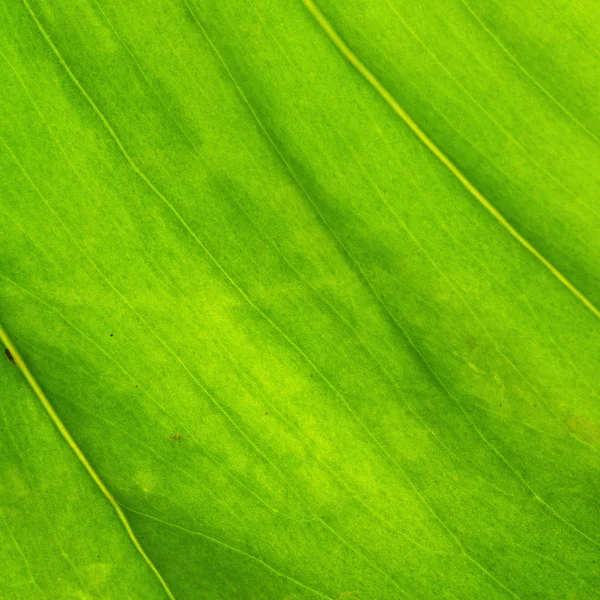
x,y
301,299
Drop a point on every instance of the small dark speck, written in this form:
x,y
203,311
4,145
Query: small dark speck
x,y
111,335
266,413
471,342
176,437
311,375
9,356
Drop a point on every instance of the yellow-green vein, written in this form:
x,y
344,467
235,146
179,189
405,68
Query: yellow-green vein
x,y
20,363
429,143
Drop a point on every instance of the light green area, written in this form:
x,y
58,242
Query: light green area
x,y
300,354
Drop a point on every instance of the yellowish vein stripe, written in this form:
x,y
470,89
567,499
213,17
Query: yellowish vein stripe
x,y
383,92
20,363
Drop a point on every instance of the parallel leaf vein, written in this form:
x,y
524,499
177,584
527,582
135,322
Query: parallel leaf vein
x,y
353,59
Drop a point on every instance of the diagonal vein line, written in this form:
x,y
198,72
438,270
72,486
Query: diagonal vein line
x,y
14,540
20,363
231,549
27,477
525,72
149,183
350,409
440,155
468,94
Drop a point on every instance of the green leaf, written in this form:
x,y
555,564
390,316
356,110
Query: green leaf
x,y
299,300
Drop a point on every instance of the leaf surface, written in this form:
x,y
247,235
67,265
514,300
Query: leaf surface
x,y
301,300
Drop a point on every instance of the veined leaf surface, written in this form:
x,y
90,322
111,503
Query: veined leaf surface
x,y
300,300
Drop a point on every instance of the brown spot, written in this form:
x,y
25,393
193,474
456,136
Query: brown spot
x,y
9,356
266,413
176,437
471,342
584,427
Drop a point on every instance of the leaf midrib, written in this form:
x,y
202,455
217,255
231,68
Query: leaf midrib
x,y
20,363
364,71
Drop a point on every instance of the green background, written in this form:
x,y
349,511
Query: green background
x,y
303,357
